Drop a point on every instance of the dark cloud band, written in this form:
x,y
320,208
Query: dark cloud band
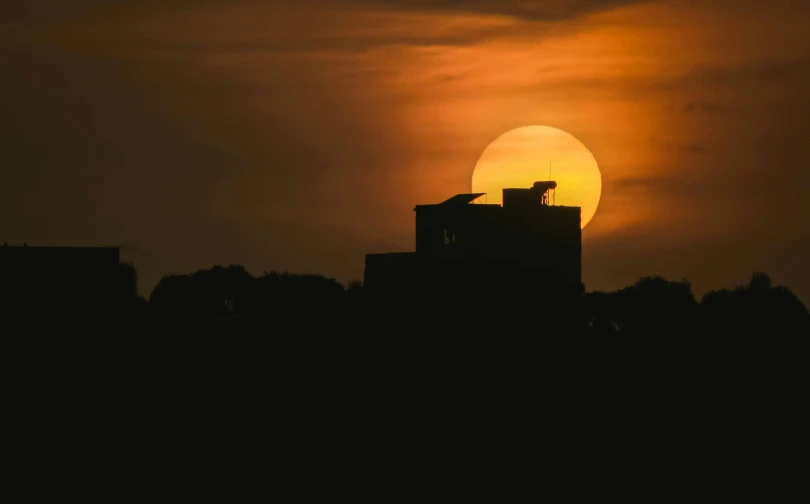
x,y
538,10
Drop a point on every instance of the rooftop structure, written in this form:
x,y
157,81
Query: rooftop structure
x,y
528,231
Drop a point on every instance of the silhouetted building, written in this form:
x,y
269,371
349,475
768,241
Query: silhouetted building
x,y
42,280
528,234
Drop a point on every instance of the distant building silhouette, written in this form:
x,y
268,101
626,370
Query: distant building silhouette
x,y
527,233
64,280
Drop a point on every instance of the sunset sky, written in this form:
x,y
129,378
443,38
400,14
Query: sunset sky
x,y
299,135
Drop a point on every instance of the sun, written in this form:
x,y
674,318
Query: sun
x,y
522,156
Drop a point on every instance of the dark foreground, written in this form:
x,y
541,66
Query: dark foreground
x,y
313,387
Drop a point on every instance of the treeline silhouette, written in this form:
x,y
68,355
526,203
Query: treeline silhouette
x,y
463,300
324,361
495,302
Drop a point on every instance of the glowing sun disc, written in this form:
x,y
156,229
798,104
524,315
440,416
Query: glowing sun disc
x,y
520,157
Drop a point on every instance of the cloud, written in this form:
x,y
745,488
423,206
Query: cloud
x,y
537,10
244,27
129,27
705,107
534,10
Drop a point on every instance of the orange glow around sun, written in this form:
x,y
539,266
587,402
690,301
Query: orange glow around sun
x,y
520,157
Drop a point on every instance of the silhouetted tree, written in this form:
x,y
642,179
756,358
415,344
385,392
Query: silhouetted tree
x,y
599,314
468,300
214,294
302,299
757,309
273,303
652,306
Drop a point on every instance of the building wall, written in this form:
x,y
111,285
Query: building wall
x,y
471,260
41,279
544,238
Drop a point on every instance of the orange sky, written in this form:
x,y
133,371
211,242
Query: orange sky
x,y
299,135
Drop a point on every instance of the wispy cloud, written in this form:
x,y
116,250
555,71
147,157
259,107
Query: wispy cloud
x,y
705,107
535,10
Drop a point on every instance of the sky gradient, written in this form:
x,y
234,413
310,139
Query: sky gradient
x,y
299,135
